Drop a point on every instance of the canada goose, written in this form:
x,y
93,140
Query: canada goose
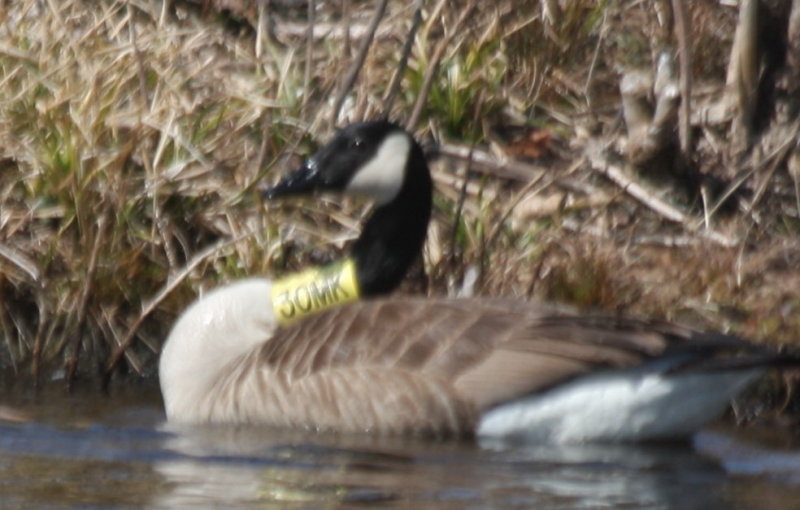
x,y
403,365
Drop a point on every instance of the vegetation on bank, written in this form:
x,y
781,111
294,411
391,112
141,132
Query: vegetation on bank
x,y
134,137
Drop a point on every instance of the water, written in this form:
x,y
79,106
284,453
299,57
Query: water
x,y
87,451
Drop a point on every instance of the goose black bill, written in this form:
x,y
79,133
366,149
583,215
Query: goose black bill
x,y
302,181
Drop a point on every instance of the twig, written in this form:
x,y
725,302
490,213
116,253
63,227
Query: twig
x,y
685,113
22,261
778,156
668,241
344,30
71,362
5,329
514,170
162,294
39,341
112,332
140,73
514,202
462,197
729,191
347,20
633,188
355,68
487,163
601,164
463,192
312,9
397,77
743,75
794,172
261,29
706,199
587,86
433,66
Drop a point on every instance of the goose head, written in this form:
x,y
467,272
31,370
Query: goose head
x,y
367,158
383,162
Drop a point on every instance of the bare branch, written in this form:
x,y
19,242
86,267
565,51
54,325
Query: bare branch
x,y
742,80
601,164
682,30
355,68
312,10
397,77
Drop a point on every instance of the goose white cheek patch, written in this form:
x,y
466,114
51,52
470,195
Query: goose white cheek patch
x,y
381,177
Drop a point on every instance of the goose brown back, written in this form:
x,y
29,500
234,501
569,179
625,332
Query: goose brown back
x,y
430,366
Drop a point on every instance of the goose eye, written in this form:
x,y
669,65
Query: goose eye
x,y
357,143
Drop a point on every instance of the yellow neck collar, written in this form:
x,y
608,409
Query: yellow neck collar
x,y
307,292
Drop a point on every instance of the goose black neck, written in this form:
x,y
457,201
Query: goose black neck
x,y
393,236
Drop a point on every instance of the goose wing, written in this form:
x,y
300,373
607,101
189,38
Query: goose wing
x,y
431,365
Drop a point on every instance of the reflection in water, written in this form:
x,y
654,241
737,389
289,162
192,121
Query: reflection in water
x,y
237,465
280,467
85,451
754,452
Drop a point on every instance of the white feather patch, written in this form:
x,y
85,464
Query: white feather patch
x,y
382,176
624,405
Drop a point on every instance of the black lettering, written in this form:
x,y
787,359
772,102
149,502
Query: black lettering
x,y
302,298
285,306
321,294
335,286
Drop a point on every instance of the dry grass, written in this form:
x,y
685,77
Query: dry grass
x,y
134,137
